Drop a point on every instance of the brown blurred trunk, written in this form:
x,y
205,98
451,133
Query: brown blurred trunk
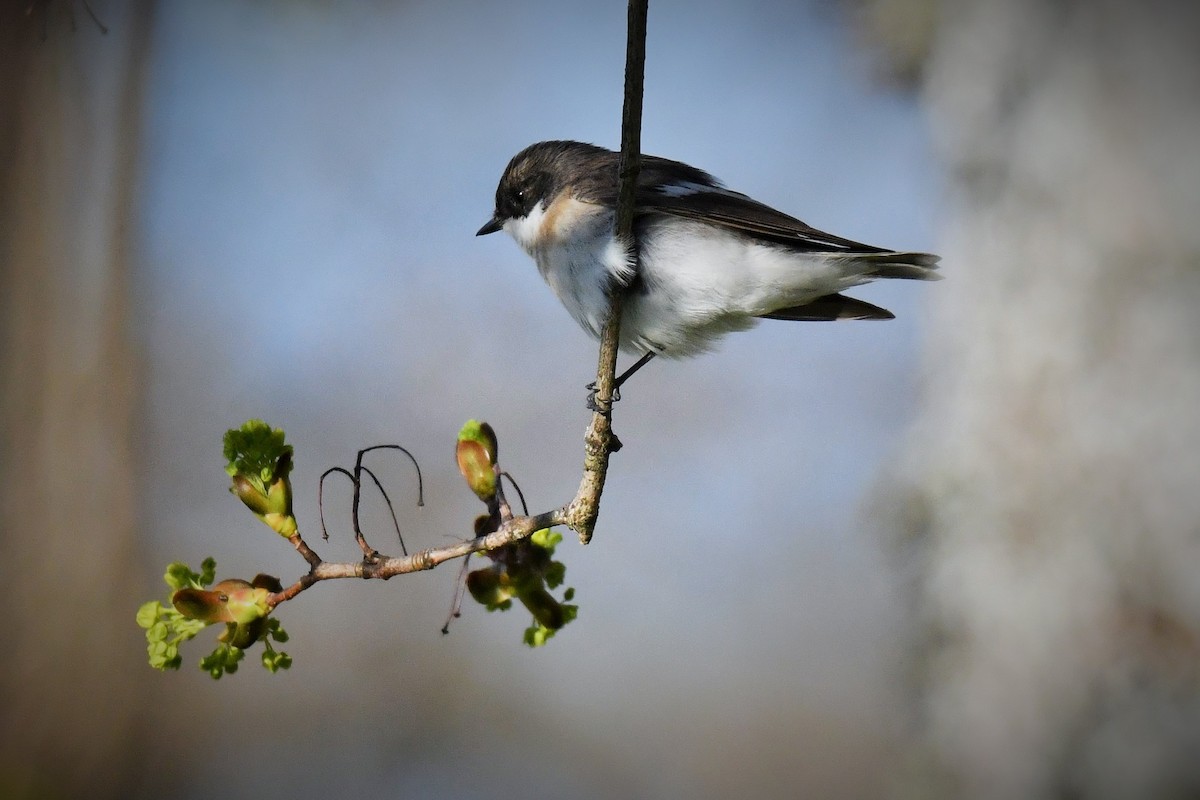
x,y
72,662
1054,502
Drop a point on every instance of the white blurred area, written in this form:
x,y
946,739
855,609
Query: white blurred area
x,y
297,244
1050,486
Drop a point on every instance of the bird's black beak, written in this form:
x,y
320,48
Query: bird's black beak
x,y
494,224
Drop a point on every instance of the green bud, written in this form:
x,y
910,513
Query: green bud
x,y
489,587
283,524
199,604
475,464
279,497
230,600
243,634
477,451
258,452
545,609
249,494
275,507
482,434
243,601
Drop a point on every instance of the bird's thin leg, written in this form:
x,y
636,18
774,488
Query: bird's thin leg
x,y
627,374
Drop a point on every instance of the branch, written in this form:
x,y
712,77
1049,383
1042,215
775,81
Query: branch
x,y
599,441
514,529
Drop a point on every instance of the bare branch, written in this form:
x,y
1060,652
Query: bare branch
x,y
304,550
512,530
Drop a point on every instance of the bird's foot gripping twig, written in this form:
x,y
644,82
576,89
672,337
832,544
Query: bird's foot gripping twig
x,y
616,395
593,404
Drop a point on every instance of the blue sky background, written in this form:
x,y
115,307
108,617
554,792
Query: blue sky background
x,y
313,176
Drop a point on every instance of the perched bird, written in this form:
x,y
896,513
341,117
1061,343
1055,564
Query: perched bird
x,y
709,260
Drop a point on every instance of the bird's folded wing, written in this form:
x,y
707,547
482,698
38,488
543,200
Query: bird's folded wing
x,y
679,190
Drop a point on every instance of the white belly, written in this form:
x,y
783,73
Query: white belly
x,y
700,283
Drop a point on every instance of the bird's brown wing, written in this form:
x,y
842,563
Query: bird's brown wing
x,y
678,190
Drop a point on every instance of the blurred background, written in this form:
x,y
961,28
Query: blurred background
x,y
952,555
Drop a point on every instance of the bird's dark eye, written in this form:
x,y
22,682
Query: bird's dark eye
x,y
517,196
520,200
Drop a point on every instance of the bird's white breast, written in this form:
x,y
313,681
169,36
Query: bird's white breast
x,y
576,253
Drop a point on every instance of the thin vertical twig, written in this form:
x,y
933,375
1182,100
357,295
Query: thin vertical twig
x,y
599,441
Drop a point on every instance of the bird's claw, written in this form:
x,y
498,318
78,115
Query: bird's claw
x,y
592,403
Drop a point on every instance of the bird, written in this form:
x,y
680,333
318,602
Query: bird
x,y
705,260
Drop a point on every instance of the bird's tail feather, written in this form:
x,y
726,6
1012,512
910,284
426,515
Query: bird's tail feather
x,y
829,308
909,266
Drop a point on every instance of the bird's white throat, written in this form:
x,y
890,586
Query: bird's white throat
x,y
527,230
